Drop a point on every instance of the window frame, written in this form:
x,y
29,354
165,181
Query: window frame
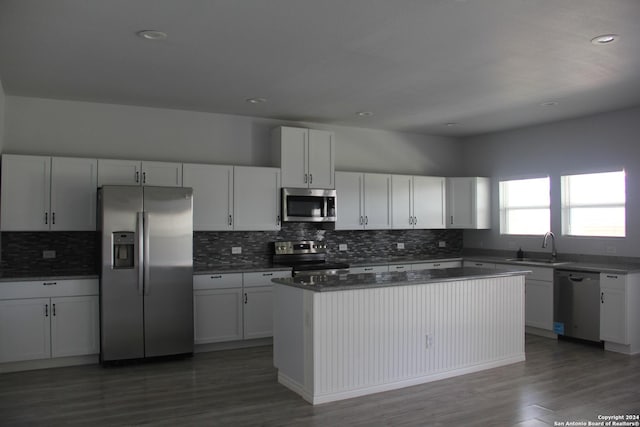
x,y
504,210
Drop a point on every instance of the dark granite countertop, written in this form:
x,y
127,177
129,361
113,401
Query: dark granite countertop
x,y
395,260
241,268
564,264
343,282
25,276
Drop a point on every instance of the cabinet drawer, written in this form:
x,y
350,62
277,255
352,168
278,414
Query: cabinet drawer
x,y
369,269
217,281
399,267
48,288
435,265
263,278
538,273
613,281
479,264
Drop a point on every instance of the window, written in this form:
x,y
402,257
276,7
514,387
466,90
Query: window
x,y
524,206
594,204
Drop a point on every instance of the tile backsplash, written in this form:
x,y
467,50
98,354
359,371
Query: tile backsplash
x,y
78,252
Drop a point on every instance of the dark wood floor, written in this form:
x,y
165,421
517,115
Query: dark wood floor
x,y
560,381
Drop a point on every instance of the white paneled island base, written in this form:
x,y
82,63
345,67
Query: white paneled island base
x,y
345,343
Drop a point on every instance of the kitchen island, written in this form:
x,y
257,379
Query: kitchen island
x,y
342,336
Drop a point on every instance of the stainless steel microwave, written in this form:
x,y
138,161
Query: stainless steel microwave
x,y
308,205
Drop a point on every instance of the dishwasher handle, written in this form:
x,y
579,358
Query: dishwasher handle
x,y
576,278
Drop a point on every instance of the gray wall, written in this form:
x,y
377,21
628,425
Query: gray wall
x,y
72,128
595,143
2,114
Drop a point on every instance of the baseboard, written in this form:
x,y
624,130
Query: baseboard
x,y
231,345
29,365
540,332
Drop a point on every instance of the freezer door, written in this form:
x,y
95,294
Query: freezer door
x,y
168,274
121,299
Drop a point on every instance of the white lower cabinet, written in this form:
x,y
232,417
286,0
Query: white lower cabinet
x,y
538,303
234,306
50,326
619,318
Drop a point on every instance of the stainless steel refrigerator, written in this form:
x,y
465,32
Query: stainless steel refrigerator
x,y
146,282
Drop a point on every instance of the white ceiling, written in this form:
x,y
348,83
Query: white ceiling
x,y
486,65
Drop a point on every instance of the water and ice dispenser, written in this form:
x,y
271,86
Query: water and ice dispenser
x,y
123,249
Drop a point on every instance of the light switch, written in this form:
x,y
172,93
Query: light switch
x,y
342,247
442,244
400,245
236,250
50,254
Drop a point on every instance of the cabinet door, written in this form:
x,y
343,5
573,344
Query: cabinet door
x,y
212,195
73,194
74,326
377,198
256,198
294,157
321,158
217,315
25,195
25,329
460,195
613,315
401,203
118,172
349,214
258,312
539,304
162,174
429,202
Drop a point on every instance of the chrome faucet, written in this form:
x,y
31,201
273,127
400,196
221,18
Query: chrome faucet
x,y
548,234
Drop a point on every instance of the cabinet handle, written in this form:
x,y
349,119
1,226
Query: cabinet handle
x,y
278,220
53,218
415,220
611,276
49,283
366,219
54,309
245,298
310,179
451,219
46,310
305,178
144,177
216,277
230,220
368,269
137,177
436,265
46,217
361,221
267,274
602,297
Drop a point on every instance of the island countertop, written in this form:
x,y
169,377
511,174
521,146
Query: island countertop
x,y
342,282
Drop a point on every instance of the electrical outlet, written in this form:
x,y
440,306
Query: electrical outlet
x,y
400,245
342,247
428,341
236,250
442,244
48,254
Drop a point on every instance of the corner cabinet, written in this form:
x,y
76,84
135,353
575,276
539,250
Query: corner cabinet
x,y
306,156
418,202
469,202
49,319
136,172
363,201
619,316
48,193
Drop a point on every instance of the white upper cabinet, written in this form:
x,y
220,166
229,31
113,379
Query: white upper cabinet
x,y
306,156
363,201
212,195
26,185
135,172
256,204
468,202
43,193
417,202
73,194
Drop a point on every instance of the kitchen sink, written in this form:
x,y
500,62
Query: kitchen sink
x,y
538,261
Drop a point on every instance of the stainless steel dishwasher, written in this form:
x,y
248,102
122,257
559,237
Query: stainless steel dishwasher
x,y
576,304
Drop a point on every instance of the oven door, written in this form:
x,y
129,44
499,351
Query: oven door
x,y
308,205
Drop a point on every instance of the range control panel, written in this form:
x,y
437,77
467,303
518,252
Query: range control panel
x,y
300,247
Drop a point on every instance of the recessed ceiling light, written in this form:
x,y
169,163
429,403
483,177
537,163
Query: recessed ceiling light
x,y
364,113
451,124
549,103
255,100
605,39
152,34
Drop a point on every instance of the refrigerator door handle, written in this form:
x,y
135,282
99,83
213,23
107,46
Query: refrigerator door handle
x,y
140,234
146,253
